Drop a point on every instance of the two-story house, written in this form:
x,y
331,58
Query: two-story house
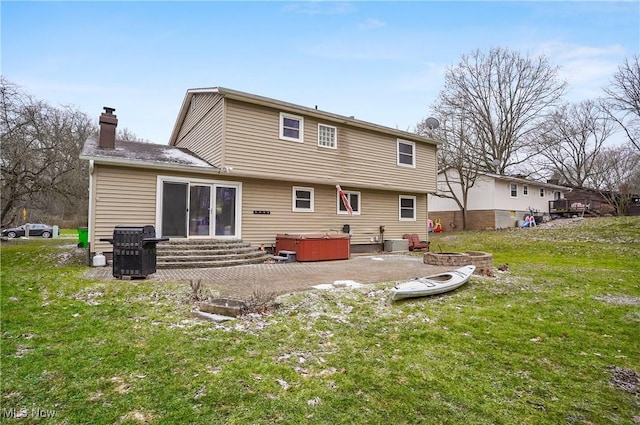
x,y
242,166
494,201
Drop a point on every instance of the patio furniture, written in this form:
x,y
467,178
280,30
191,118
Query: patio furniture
x,y
415,244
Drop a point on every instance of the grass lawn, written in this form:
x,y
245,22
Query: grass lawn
x,y
554,340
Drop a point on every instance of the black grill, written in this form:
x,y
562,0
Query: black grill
x,y
134,251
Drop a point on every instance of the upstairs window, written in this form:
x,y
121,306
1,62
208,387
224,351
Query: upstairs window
x,y
302,199
514,190
525,190
354,201
542,192
291,127
406,153
407,206
327,136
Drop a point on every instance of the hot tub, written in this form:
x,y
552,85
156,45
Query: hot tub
x,y
315,246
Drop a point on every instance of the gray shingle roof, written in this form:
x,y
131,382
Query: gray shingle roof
x,y
143,153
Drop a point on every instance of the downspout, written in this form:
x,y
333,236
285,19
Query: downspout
x,y
91,209
91,198
427,222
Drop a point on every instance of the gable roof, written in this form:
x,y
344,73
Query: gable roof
x,y
146,155
293,108
515,179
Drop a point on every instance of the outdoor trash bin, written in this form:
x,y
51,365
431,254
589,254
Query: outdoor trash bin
x,y
83,237
134,251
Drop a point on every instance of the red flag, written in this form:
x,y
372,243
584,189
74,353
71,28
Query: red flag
x,y
345,199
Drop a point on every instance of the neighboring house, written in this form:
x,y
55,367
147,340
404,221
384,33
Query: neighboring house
x,y
241,166
495,201
634,206
582,201
592,202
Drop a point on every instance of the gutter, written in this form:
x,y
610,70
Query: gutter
x,y
150,164
235,174
331,181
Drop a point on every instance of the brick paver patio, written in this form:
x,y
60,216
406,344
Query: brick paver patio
x,y
242,281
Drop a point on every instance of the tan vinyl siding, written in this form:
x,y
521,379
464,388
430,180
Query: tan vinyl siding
x,y
202,130
362,158
378,208
123,196
128,196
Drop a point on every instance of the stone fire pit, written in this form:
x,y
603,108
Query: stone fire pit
x,y
482,260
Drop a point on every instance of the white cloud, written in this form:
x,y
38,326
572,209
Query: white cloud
x,y
371,23
566,51
587,68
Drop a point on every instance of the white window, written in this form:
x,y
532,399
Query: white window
x,y
302,200
542,192
557,195
525,190
406,153
407,206
354,201
514,190
327,136
291,127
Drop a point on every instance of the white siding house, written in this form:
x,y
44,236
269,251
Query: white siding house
x,y
494,201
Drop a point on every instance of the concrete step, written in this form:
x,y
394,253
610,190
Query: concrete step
x,y
205,252
203,241
209,244
210,263
189,256
201,253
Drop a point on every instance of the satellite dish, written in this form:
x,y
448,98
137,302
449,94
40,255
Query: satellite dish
x,y
432,123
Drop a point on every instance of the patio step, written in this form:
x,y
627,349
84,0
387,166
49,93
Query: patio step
x,y
204,253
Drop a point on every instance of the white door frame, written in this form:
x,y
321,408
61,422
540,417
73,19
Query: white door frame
x,y
201,182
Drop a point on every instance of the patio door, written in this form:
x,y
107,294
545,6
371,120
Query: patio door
x,y
226,199
198,208
174,209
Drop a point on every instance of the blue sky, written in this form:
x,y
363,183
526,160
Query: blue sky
x,y
382,62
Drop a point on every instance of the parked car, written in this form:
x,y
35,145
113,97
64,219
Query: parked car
x,y
35,229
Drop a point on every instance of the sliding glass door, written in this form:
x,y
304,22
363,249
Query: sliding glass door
x,y
225,211
174,209
199,209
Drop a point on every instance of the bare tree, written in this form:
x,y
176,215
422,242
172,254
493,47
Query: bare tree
x,y
616,175
623,99
492,108
505,98
126,135
39,157
457,167
572,142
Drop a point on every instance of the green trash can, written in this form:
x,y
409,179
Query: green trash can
x,y
83,237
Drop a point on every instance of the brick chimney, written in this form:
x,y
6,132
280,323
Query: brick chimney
x,y
108,123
